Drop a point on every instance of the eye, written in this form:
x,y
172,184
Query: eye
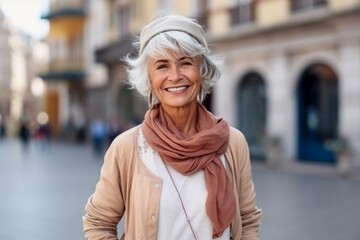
x,y
161,66
186,63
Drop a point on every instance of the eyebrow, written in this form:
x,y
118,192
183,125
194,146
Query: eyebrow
x,y
160,61
165,60
183,58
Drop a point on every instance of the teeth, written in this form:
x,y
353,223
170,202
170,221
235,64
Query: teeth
x,y
176,89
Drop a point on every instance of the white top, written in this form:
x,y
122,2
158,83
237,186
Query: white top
x,y
193,192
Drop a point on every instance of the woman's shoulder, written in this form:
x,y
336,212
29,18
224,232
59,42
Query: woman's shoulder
x,y
236,136
237,142
238,150
122,147
127,138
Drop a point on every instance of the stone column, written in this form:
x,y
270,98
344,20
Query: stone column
x,y
349,92
224,96
280,127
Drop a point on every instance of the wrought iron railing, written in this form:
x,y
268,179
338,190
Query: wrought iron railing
x,y
66,7
303,5
56,5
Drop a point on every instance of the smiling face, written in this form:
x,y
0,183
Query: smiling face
x,y
175,80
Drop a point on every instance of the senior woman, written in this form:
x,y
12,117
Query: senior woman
x,y
183,173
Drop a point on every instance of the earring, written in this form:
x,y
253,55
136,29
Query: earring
x,y
150,100
201,95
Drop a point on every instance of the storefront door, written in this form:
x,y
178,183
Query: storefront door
x,y
317,113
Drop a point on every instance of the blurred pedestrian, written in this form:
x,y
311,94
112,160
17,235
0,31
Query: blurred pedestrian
x,y
80,129
183,173
43,135
2,128
98,134
79,122
24,133
43,130
114,129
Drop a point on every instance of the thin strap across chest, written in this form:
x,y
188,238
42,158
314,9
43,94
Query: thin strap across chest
x,y
181,201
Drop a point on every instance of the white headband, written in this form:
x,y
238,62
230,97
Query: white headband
x,y
172,23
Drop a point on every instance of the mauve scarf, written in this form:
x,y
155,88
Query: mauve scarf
x,y
190,155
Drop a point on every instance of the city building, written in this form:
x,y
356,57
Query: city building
x,y
65,73
292,71
114,101
124,20
5,68
292,77
78,89
291,81
17,69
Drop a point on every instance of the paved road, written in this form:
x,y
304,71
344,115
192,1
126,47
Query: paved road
x,y
307,207
44,191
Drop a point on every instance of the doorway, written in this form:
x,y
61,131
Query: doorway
x,y
317,113
252,113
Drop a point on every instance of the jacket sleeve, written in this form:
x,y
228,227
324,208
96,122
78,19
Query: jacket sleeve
x,y
250,213
106,205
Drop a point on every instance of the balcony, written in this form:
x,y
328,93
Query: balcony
x,y
113,53
66,8
63,70
304,5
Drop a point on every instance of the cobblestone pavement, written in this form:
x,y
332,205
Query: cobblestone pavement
x,y
44,191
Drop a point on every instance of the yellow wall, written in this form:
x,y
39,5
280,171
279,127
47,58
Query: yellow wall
x,y
219,4
141,14
144,11
271,12
183,7
219,23
342,4
219,18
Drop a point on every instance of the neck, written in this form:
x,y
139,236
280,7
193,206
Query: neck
x,y
184,118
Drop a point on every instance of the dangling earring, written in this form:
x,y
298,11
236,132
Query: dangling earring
x,y
150,100
201,95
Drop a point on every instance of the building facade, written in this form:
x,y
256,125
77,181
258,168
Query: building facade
x,y
5,68
292,77
16,73
291,81
292,71
65,73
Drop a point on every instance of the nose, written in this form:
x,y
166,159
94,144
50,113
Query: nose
x,y
174,74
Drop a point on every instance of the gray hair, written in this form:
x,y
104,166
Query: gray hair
x,y
178,42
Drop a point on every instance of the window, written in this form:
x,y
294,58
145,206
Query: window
x,y
243,12
123,19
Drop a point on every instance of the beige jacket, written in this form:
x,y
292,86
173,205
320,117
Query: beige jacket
x,y
127,187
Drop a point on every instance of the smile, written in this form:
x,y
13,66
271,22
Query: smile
x,y
176,89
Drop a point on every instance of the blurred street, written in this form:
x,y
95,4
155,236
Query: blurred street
x,y
44,191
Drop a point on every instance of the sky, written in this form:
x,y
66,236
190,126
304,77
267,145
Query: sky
x,y
25,15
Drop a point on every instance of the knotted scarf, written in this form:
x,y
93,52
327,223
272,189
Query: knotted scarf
x,y
192,154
